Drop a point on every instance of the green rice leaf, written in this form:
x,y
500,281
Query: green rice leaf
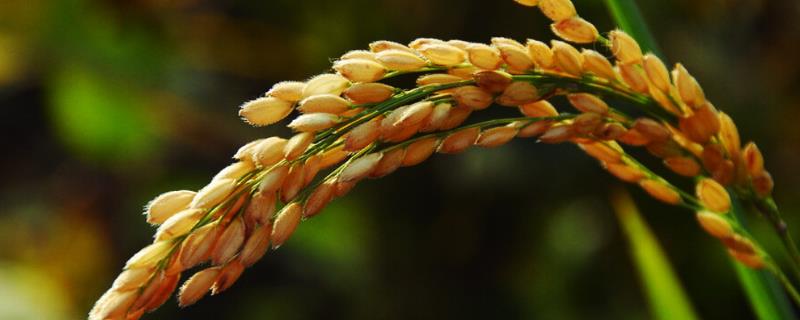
x,y
664,292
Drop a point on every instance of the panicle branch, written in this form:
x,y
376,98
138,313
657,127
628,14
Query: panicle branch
x,y
354,126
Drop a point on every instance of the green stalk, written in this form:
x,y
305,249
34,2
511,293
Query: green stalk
x,y
762,291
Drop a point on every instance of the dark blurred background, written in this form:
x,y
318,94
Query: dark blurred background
x,y
106,104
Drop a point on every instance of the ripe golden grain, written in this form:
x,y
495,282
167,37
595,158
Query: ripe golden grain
x,y
713,195
419,151
495,137
575,29
567,58
167,204
285,224
484,56
660,191
714,224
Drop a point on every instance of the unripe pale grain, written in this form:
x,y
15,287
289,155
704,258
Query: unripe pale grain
x,y
575,29
167,204
324,103
265,110
325,83
285,224
360,70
